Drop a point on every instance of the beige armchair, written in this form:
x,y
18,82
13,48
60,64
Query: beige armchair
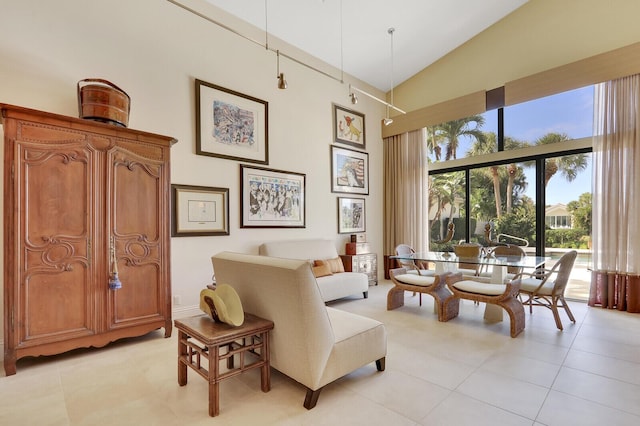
x,y
310,342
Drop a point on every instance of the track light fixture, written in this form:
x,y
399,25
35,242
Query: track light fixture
x,y
282,83
352,89
388,120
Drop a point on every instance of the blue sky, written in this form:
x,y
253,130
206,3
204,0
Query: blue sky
x,y
570,113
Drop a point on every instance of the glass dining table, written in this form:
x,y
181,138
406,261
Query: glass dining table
x,y
447,262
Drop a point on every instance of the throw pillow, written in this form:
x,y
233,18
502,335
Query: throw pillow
x,y
335,265
321,268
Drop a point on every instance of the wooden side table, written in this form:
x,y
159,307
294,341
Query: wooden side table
x,y
203,344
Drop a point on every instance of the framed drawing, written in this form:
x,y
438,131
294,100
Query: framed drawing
x,y
351,215
199,210
271,198
231,125
348,127
349,171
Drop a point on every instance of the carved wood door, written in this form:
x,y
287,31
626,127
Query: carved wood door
x,y
137,199
54,256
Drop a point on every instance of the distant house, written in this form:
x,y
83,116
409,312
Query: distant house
x,y
558,217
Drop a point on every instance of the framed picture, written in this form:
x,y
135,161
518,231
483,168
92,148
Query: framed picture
x,y
199,210
271,198
348,127
351,215
349,171
231,125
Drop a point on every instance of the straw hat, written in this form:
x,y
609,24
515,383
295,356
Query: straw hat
x,y
222,304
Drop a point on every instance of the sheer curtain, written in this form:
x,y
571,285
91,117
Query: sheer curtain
x,y
616,195
406,191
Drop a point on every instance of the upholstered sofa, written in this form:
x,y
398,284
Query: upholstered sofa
x,y
335,285
312,343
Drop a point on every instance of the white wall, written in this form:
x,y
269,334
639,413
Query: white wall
x,y
154,50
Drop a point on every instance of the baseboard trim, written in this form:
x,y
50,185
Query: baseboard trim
x,y
186,311
177,313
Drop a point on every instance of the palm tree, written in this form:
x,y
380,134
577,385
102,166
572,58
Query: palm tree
x,y
438,196
512,169
487,145
443,190
569,165
452,131
433,143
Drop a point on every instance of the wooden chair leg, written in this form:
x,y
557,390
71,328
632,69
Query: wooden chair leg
x,y
556,315
311,399
566,308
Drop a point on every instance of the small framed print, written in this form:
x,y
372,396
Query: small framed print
x,y
271,198
351,215
349,171
231,125
348,127
199,211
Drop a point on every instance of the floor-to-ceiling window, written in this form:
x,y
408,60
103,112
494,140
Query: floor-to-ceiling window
x,y
526,170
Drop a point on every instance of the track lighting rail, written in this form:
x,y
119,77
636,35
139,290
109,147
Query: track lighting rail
x,y
278,52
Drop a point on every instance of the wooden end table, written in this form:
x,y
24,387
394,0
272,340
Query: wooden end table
x,y
203,344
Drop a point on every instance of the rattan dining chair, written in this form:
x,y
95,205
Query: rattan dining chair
x,y
545,287
468,251
412,266
510,250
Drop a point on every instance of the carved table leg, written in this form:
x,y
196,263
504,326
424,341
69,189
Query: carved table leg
x,y
182,354
214,384
265,370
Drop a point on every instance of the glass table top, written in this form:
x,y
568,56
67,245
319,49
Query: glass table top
x,y
500,260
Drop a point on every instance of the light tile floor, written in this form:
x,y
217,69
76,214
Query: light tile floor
x,y
463,372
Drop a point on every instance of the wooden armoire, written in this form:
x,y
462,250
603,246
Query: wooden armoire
x,y
82,198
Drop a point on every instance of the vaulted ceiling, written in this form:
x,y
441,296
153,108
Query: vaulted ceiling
x,y
353,35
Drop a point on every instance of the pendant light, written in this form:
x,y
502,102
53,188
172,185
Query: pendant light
x,y
282,83
388,120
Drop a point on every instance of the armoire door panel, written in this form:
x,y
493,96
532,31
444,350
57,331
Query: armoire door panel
x,y
56,305
55,193
136,190
139,298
